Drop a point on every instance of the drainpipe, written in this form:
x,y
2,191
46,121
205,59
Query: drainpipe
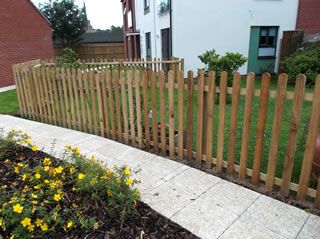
x,y
170,38
155,29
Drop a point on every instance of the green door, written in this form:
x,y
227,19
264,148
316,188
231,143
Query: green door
x,y
262,49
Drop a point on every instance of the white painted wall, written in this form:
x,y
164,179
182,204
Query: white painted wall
x,y
151,22
225,25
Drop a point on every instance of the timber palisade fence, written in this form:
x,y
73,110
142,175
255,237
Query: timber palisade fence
x,y
141,106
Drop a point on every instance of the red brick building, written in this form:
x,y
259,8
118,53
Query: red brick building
x,y
131,36
25,35
309,17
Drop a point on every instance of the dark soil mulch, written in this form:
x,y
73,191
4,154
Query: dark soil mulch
x,y
145,224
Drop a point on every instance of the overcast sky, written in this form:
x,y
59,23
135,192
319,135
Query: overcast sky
x,y
101,13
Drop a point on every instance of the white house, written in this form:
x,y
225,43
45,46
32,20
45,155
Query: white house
x,y
187,28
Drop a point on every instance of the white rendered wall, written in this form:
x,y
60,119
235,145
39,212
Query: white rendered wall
x,y
153,23
225,26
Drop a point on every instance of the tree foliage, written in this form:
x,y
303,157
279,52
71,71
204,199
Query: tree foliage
x,y
111,29
69,59
68,21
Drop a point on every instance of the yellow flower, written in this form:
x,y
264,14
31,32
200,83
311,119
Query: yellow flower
x,y
16,170
37,175
69,224
34,202
21,142
95,225
137,193
47,161
24,177
129,181
66,146
127,172
118,180
28,141
71,170
1,222
46,181
46,168
30,228
134,202
26,222
17,208
13,130
20,164
44,227
36,187
109,193
6,161
57,197
20,131
34,196
34,148
81,176
59,169
92,159
38,222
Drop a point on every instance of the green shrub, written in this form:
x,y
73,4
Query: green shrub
x,y
50,194
69,59
305,61
230,63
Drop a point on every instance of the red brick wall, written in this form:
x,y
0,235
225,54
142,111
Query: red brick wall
x,y
309,16
24,35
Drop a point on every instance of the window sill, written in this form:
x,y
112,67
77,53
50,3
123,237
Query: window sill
x,y
266,57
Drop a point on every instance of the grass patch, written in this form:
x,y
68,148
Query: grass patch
x,y
9,102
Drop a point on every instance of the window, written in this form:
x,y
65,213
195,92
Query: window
x,y
268,42
146,6
129,17
125,17
163,6
148,45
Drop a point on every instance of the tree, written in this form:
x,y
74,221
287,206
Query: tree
x,y
111,29
68,21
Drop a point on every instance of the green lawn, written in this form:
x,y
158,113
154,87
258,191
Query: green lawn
x,y
9,102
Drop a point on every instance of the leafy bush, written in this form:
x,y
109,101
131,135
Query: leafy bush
x,y
69,59
305,61
230,63
53,195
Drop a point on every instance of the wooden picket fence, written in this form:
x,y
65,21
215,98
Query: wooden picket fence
x,y
136,106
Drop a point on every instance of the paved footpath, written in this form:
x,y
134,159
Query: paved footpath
x,y
204,204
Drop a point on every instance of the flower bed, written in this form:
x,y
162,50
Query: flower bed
x,y
77,197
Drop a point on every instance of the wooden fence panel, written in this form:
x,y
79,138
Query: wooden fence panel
x,y
310,144
111,104
61,96
210,110
138,107
124,107
93,101
293,133
118,107
171,114
105,103
222,115
162,113
100,104
246,126
190,115
233,122
146,109
200,86
131,109
88,101
180,114
276,127
154,113
262,116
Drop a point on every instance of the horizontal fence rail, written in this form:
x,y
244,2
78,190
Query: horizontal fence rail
x,y
200,118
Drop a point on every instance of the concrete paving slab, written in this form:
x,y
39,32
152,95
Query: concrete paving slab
x,y
134,157
231,196
111,148
167,200
276,216
161,168
311,229
194,181
205,219
249,230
